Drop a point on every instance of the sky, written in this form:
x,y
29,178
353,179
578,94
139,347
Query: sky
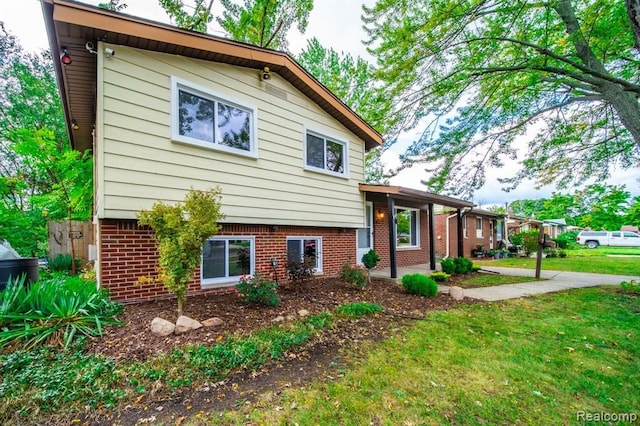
x,y
336,24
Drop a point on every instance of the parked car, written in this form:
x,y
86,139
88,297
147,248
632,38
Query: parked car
x,y
593,239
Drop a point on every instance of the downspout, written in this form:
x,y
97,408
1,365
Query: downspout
x,y
446,256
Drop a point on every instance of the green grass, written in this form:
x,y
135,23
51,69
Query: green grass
x,y
526,361
593,261
490,280
47,380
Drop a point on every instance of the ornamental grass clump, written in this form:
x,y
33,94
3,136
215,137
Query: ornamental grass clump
x,y
420,285
53,311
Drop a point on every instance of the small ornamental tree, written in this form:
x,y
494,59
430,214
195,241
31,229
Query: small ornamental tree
x,y
370,259
180,232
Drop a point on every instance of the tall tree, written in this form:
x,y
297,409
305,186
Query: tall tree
x,y
559,74
40,176
354,81
265,23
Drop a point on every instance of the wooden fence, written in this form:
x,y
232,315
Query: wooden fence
x,y
60,238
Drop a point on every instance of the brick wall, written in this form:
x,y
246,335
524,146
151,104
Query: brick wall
x,y
404,257
127,252
470,242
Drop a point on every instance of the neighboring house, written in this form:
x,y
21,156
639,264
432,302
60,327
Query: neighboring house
x,y
554,227
478,227
165,109
517,224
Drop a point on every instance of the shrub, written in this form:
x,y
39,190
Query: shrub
x,y
180,232
258,290
370,259
419,284
439,276
300,271
62,262
354,274
527,239
53,311
448,266
462,265
566,239
562,253
630,286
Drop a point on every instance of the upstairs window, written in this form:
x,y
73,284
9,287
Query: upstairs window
x,y
325,154
201,118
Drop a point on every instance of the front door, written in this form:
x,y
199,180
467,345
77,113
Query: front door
x,y
365,235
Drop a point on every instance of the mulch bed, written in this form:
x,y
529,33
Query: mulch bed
x,y
133,340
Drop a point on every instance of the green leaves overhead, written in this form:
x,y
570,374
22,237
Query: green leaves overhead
x,y
482,75
265,23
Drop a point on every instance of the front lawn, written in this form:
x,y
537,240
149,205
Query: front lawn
x,y
592,261
540,360
491,280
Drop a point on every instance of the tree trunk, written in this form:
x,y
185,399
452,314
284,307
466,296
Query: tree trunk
x,y
622,101
73,250
633,10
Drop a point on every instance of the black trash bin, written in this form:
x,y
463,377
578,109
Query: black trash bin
x,y
17,267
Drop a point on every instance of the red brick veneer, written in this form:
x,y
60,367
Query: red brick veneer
x,y
127,252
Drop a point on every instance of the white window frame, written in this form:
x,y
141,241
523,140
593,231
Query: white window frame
x,y
178,84
479,230
301,238
231,280
410,246
326,136
465,234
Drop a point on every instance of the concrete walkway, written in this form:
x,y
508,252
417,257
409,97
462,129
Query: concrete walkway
x,y
554,281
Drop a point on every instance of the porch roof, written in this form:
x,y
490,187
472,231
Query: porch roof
x,y
414,195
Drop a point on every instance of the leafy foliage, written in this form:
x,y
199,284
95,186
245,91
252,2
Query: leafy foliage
x,y
447,265
439,276
462,265
299,271
61,263
370,260
258,290
484,75
53,311
265,23
354,274
527,239
40,176
419,284
180,231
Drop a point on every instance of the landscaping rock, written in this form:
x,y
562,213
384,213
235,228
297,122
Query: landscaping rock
x,y
212,322
162,327
277,319
291,317
456,292
185,324
303,313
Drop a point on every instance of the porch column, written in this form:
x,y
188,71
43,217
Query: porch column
x,y
391,207
460,236
432,242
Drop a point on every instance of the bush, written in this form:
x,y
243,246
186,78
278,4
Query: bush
x,y
562,253
300,271
53,311
448,266
462,265
527,239
257,290
370,259
566,239
419,284
354,274
439,276
62,263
